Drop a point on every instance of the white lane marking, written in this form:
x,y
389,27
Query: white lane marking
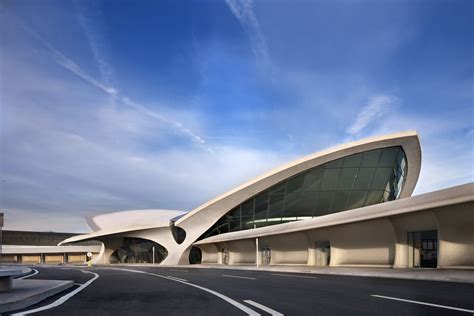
x,y
294,276
264,308
179,279
178,270
423,303
237,277
242,307
62,299
29,275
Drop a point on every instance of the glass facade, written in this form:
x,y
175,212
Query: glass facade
x,y
351,182
138,250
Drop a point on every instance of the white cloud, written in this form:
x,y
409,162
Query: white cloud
x,y
377,107
89,21
244,12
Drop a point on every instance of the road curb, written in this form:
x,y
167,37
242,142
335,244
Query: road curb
x,y
402,275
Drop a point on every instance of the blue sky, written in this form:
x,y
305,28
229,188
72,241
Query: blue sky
x,y
116,105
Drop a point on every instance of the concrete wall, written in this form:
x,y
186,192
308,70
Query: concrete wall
x,y
370,243
209,253
53,258
9,259
30,259
76,258
286,249
242,252
456,235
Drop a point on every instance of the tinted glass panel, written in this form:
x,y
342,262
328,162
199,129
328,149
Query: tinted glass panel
x,y
334,164
295,184
381,178
330,177
353,161
234,219
374,197
313,178
246,213
364,178
357,199
276,206
300,205
347,178
261,205
339,203
323,203
279,188
388,157
371,158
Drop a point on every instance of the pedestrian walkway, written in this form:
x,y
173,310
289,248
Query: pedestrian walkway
x,y
461,276
27,292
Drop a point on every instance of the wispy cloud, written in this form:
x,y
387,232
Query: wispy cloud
x,y
243,10
70,65
377,106
92,32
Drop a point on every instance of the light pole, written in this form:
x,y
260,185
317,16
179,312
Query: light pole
x,y
256,254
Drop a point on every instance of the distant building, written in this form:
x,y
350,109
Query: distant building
x,y
346,206
31,247
1,226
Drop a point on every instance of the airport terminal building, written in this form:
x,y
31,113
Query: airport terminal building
x,y
350,205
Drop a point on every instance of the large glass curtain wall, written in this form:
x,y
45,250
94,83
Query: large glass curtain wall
x,y
351,182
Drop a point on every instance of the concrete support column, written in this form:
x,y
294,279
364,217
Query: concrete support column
x,y
5,283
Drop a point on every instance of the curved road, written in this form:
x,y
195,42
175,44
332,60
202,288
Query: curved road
x,y
138,290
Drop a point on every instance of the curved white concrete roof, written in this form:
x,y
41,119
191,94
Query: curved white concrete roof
x,y
125,221
408,140
134,218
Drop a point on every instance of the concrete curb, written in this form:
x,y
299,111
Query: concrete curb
x,y
19,298
25,271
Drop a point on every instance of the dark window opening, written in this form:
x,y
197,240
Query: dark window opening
x,y
138,250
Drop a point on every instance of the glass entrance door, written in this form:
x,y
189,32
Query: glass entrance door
x,y
423,248
266,255
323,253
225,256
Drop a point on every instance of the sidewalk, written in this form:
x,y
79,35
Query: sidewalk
x,y
460,276
29,292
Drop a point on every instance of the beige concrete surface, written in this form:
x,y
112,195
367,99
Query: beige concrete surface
x,y
29,292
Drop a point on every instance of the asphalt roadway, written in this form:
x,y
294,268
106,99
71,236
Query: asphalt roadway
x,y
139,290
